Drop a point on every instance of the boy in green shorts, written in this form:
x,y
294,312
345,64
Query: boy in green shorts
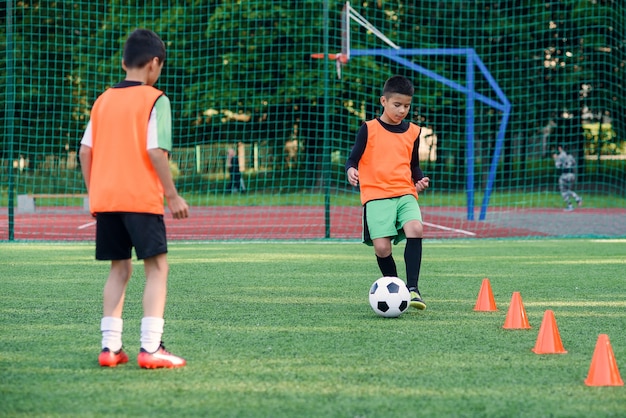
x,y
124,160
384,162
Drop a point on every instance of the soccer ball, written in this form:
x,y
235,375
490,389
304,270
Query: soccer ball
x,y
389,297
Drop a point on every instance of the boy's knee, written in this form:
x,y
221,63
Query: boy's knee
x,y
382,247
413,229
122,269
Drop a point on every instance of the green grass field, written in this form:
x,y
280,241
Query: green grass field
x,y
285,330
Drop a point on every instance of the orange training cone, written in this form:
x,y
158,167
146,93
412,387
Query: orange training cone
x,y
516,316
485,301
603,370
549,339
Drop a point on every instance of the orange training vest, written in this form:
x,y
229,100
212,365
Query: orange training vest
x,y
122,176
385,166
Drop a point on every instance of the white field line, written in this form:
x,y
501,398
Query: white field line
x,y
87,225
445,228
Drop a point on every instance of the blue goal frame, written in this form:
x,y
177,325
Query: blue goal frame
x,y
473,61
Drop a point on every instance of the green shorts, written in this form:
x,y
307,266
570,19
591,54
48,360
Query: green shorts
x,y
386,217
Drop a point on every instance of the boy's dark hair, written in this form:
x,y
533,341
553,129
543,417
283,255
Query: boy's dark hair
x,y
398,84
141,46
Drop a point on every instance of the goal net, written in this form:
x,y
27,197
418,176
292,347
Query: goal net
x,y
267,98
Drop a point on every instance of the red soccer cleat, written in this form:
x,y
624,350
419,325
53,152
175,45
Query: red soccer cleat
x,y
108,358
159,359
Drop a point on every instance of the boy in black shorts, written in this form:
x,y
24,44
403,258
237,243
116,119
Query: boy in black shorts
x,y
124,161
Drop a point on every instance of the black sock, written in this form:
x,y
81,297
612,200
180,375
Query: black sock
x,y
387,266
413,261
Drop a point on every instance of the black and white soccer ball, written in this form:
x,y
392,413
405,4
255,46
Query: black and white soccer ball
x,y
389,297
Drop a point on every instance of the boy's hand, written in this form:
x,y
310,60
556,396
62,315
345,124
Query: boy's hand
x,y
422,184
353,176
178,207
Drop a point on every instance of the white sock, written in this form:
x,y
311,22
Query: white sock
x,y
111,328
151,333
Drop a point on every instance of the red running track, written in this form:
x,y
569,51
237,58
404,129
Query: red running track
x,y
252,223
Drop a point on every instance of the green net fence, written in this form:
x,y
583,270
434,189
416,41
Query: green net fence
x,y
284,86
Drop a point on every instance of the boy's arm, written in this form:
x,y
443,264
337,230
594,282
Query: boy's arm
x,y
421,182
159,144
85,157
416,170
178,206
352,164
358,149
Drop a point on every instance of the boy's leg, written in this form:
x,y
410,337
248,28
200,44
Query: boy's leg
x,y
154,296
115,287
566,195
155,292
413,261
378,229
410,217
572,193
150,241
111,324
153,354
579,200
563,188
384,257
566,182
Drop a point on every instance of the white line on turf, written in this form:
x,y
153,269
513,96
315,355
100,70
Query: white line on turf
x,y
445,228
87,225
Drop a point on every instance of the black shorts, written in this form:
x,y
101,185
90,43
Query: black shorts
x,y
117,233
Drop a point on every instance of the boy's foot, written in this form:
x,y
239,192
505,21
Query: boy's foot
x,y
569,208
159,359
108,358
416,301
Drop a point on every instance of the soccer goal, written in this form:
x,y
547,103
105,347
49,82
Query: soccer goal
x,y
474,68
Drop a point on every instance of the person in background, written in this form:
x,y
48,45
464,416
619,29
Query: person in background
x,y
566,164
232,163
